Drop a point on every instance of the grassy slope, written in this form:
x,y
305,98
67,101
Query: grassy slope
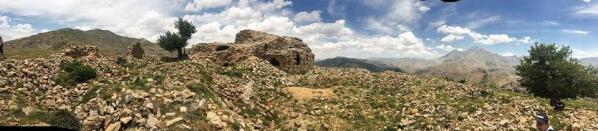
x,y
41,45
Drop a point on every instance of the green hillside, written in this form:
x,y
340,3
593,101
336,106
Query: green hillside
x,y
45,44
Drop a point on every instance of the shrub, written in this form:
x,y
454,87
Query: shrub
x,y
121,61
60,118
64,119
74,72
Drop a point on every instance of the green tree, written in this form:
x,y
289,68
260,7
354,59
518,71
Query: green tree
x,y
177,41
550,71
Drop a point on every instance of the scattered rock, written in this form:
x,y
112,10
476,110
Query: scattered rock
x,y
183,109
151,121
126,120
170,122
113,127
215,119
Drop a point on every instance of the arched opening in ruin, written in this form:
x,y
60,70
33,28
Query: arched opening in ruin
x,y
222,47
297,58
274,62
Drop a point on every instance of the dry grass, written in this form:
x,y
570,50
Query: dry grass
x,y
302,93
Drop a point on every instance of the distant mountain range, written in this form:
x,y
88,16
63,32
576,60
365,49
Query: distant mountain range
x,y
45,44
474,66
373,66
590,61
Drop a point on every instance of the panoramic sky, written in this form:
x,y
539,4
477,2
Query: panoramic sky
x,y
350,28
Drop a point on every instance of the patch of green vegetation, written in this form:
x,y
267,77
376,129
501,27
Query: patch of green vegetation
x,y
581,103
73,73
36,116
140,84
237,126
59,118
121,61
203,90
65,119
234,72
90,94
195,115
158,78
28,53
554,120
207,78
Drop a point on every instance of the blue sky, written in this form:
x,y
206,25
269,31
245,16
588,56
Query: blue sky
x,y
351,28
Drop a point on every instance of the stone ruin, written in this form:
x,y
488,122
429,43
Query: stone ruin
x,y
81,51
289,54
135,51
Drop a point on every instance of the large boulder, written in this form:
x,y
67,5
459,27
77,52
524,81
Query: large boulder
x,y
289,54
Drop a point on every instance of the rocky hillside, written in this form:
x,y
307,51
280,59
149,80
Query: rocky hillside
x,y
45,44
254,94
373,66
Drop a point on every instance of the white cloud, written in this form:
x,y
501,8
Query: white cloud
x,y
448,48
456,32
577,53
526,40
197,5
399,14
482,22
303,16
14,31
587,1
590,10
507,54
550,23
451,37
124,17
154,17
325,39
573,31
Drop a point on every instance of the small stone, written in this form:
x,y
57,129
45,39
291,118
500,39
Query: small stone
x,y
125,120
28,110
149,105
170,122
151,121
113,127
214,119
183,109
170,114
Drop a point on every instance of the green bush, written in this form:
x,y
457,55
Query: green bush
x,y
60,118
121,61
64,119
74,72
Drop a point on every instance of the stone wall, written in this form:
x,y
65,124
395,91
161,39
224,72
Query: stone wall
x,y
286,53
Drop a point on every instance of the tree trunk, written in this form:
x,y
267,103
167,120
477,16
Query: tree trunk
x,y
180,53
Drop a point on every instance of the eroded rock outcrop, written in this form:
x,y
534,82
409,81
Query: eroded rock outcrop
x,y
286,53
